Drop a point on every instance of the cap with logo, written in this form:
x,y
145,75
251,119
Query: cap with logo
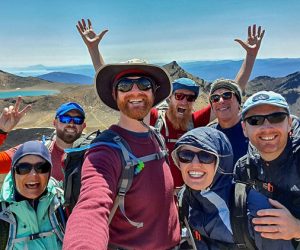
x,y
265,97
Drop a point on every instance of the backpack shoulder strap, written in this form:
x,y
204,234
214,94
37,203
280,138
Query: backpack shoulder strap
x,y
239,218
57,218
110,138
8,227
47,140
161,121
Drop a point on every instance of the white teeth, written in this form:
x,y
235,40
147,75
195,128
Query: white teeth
x,y
267,138
196,174
32,183
135,101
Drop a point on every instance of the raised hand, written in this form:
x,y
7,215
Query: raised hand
x,y
254,40
90,38
11,116
277,223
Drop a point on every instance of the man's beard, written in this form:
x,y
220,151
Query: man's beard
x,y
137,113
66,137
179,123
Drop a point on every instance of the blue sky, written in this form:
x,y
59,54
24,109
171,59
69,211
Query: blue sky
x,y
44,32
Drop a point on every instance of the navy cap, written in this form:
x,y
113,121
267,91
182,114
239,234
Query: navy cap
x,y
186,83
265,97
66,107
31,148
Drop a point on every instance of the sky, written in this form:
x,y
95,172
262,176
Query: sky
x,y
43,32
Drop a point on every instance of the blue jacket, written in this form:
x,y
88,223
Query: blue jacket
x,y
209,210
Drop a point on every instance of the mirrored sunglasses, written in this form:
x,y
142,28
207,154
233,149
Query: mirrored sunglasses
x,y
187,156
257,120
68,119
26,167
225,96
181,96
143,83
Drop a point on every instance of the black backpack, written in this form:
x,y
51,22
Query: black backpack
x,y
131,166
238,219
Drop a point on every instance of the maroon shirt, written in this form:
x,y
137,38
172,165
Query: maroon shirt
x,y
200,118
57,156
150,200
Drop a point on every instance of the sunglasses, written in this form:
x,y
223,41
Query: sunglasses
x,y
181,96
143,83
257,120
25,168
68,119
187,156
225,96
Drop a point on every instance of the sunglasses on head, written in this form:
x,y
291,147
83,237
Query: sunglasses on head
x,y
187,156
26,167
68,119
225,96
181,96
257,120
143,83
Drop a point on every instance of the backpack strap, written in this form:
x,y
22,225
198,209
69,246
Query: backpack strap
x,y
131,166
251,178
187,236
239,218
124,184
57,219
161,122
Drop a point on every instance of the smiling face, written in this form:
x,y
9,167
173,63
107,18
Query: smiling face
x,y
135,103
269,139
180,111
227,111
196,175
31,185
69,132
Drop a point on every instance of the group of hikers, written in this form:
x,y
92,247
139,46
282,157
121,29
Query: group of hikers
x,y
165,176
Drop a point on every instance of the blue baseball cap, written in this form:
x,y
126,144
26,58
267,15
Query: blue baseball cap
x,y
186,83
265,97
66,107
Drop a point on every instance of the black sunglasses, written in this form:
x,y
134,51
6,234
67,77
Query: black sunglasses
x,y
257,120
225,96
187,156
26,167
125,84
68,119
181,96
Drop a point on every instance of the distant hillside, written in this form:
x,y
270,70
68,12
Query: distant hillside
x,y
208,70
211,70
288,86
63,77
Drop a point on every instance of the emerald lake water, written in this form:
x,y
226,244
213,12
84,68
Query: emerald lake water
x,y
15,93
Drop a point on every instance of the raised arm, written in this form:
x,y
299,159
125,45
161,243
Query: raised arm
x,y
91,40
251,45
11,115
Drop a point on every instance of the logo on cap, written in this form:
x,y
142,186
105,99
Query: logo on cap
x,y
260,97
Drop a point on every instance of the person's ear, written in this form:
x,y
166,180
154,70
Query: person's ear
x,y
244,129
